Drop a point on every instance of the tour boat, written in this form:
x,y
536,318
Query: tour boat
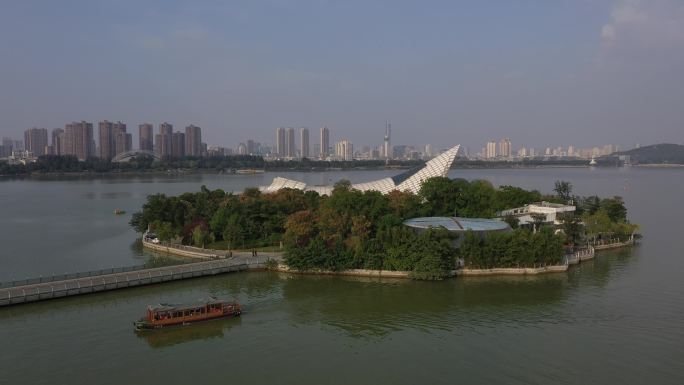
x,y
119,212
167,315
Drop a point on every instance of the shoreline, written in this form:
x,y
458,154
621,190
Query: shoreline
x,y
572,259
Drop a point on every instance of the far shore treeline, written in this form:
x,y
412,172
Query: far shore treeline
x,y
52,164
353,229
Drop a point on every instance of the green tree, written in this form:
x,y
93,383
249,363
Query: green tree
x,y
563,189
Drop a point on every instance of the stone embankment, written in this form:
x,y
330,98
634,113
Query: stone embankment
x,y
614,245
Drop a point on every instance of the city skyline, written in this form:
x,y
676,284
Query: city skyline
x,y
113,140
441,74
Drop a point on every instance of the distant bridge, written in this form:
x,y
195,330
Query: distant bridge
x,y
128,155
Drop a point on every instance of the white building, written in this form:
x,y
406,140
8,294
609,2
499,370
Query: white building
x,y
525,213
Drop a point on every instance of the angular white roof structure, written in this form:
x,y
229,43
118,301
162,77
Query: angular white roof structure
x,y
407,181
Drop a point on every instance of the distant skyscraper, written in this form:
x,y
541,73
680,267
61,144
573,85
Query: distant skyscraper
x,y
145,137
251,147
387,145
290,144
123,141
344,150
304,141
242,149
490,150
166,140
113,139
325,142
178,144
79,140
106,139
58,141
193,140
36,140
280,141
505,148
428,150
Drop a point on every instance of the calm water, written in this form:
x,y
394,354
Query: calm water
x,y
616,320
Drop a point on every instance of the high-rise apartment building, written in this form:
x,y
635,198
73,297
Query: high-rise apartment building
x,y
57,141
280,141
250,147
325,142
145,137
344,150
193,141
242,149
290,144
490,150
36,140
164,145
123,142
178,144
505,148
79,140
304,141
106,139
113,139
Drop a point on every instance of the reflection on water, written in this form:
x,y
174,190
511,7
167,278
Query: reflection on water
x,y
106,195
368,308
196,332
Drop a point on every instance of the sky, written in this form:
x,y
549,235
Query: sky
x,y
543,73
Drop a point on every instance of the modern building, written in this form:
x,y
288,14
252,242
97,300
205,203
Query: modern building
x,y
490,150
193,141
505,148
304,141
459,226
242,149
106,140
280,142
146,137
164,143
344,150
526,214
178,145
291,148
79,140
324,142
387,144
57,136
36,140
410,180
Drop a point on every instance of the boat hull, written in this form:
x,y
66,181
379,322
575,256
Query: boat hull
x,y
143,325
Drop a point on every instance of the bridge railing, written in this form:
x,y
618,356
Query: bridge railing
x,y
84,274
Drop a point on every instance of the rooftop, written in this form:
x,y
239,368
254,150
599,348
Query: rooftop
x,y
457,224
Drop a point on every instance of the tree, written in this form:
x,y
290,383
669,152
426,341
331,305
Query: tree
x,y
615,208
563,189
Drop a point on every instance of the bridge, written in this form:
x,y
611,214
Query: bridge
x,y
128,155
45,288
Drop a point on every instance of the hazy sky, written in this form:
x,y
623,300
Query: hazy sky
x,y
541,72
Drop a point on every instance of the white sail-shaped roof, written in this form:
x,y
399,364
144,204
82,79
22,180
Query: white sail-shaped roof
x,y
410,180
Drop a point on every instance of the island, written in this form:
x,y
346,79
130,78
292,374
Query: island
x,y
350,229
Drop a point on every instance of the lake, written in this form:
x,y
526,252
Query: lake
x,y
618,319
